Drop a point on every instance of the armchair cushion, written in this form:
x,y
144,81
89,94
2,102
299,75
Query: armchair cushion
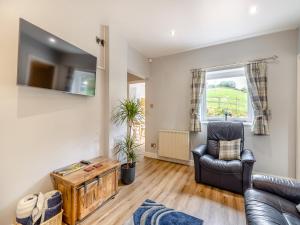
x,y
226,131
221,166
230,150
213,148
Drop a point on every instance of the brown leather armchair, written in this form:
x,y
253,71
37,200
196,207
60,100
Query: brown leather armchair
x,y
234,175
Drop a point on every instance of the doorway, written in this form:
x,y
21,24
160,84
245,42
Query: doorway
x,y
136,90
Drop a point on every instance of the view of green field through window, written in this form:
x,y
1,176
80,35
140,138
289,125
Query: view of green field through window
x,y
227,95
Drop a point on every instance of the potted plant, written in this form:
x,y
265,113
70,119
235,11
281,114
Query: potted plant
x,y
130,112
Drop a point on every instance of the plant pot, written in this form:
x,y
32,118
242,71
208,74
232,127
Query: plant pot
x,y
127,173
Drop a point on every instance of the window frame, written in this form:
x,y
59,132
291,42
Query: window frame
x,y
219,74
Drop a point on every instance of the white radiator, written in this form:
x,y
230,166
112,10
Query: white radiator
x,y
174,144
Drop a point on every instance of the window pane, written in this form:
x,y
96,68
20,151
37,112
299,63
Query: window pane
x,y
83,82
227,95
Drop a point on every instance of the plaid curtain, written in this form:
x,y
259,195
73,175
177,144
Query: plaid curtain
x,y
257,85
198,84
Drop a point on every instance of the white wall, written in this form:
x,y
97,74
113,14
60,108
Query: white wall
x,y
42,130
298,120
117,82
298,40
298,111
137,63
168,90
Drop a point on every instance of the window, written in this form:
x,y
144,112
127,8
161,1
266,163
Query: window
x,y
226,93
83,82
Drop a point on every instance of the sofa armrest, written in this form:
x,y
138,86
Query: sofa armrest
x,y
284,187
247,156
198,152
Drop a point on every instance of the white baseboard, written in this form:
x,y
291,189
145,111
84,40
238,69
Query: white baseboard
x,y
154,155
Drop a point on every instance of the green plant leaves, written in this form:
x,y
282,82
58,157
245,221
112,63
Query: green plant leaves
x,y
128,111
128,146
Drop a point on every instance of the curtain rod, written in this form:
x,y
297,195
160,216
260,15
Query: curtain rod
x,y
267,60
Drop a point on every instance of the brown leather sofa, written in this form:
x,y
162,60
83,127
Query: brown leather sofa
x,y
234,175
272,201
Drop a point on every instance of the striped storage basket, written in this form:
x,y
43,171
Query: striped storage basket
x,y
55,220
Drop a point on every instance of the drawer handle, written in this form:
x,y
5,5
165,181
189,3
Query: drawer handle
x,y
99,180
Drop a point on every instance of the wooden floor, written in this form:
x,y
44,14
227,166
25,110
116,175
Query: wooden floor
x,y
173,185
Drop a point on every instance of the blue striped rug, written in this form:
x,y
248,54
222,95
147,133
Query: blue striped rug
x,y
152,213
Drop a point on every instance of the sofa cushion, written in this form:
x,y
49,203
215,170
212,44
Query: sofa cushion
x,y
285,187
221,166
269,209
298,208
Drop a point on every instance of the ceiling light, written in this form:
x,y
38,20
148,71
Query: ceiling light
x,y
253,10
172,33
52,40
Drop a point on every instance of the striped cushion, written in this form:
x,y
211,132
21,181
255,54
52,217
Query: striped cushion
x,y
230,150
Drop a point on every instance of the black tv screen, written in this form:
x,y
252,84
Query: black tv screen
x,y
46,61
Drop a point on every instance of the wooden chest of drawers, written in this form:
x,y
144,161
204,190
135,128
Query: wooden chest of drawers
x,y
83,192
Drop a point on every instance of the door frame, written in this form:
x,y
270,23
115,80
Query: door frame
x,y
139,81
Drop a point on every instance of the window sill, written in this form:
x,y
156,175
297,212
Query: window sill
x,y
246,124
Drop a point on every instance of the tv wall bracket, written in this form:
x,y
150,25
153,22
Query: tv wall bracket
x,y
100,41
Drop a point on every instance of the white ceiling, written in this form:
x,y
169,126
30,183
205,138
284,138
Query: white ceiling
x,y
147,24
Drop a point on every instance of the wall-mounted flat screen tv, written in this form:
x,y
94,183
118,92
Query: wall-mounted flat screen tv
x,y
46,61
